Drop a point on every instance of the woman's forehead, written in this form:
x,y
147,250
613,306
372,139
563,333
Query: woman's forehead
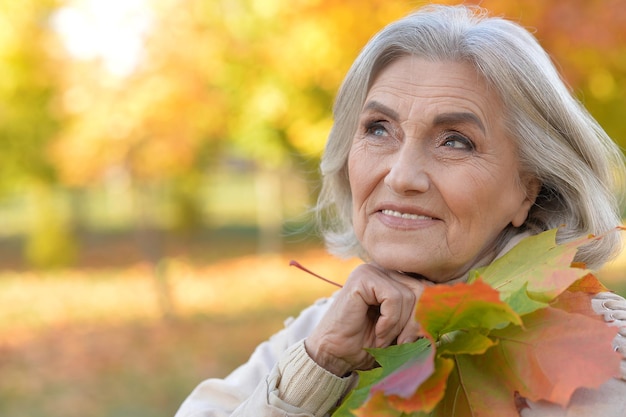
x,y
452,87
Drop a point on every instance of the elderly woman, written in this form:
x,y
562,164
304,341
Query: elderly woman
x,y
454,137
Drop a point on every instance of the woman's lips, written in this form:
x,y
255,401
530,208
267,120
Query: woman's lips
x,y
410,216
404,219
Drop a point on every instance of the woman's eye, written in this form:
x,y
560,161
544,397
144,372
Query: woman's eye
x,y
377,129
457,141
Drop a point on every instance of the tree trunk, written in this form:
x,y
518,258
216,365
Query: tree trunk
x,y
269,210
150,241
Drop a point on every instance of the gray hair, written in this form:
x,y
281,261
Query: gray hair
x,y
580,168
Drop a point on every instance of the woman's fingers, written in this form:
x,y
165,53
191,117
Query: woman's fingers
x,y
375,308
395,313
396,296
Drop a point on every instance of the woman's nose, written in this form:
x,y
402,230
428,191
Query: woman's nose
x,y
408,174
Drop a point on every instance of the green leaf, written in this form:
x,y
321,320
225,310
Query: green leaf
x,y
521,303
394,357
536,263
405,367
464,342
357,397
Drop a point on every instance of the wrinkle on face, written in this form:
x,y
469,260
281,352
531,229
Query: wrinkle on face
x,y
474,191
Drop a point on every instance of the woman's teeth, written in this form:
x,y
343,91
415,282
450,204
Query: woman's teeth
x,y
405,215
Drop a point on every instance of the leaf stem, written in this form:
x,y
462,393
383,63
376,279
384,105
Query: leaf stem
x,y
299,266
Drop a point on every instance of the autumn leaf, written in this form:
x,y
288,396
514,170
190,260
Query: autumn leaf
x,y
534,337
522,303
416,357
378,406
447,308
556,353
551,356
577,298
537,263
424,399
429,393
474,390
358,396
402,376
588,284
464,342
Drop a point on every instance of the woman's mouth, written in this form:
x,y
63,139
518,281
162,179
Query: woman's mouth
x,y
410,216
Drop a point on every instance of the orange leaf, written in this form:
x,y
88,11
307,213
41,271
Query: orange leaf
x,y
377,406
445,308
577,298
589,284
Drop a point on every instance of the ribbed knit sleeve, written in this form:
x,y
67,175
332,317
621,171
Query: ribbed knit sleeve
x,y
306,385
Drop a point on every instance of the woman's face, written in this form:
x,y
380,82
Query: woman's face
x,y
434,177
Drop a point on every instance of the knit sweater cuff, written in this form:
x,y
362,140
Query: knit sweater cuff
x,y
306,385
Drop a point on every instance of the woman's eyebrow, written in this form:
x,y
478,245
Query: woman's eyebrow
x,y
460,117
440,119
380,107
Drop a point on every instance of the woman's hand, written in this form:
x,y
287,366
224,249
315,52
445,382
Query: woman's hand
x,y
374,309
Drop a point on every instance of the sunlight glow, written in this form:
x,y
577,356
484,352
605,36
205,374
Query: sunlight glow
x,y
110,30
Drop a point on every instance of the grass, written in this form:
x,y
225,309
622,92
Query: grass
x,y
92,341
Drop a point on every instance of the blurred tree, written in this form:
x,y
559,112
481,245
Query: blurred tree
x,y
247,78
257,79
587,40
29,122
252,78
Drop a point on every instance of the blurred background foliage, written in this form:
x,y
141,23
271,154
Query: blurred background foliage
x,y
151,141
177,115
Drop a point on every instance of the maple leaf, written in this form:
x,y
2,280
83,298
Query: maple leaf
x,y
402,376
446,308
378,406
556,353
577,298
464,342
552,355
588,284
412,378
522,327
358,396
429,393
534,272
424,400
417,355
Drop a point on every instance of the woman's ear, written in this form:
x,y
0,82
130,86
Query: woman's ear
x,y
532,185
